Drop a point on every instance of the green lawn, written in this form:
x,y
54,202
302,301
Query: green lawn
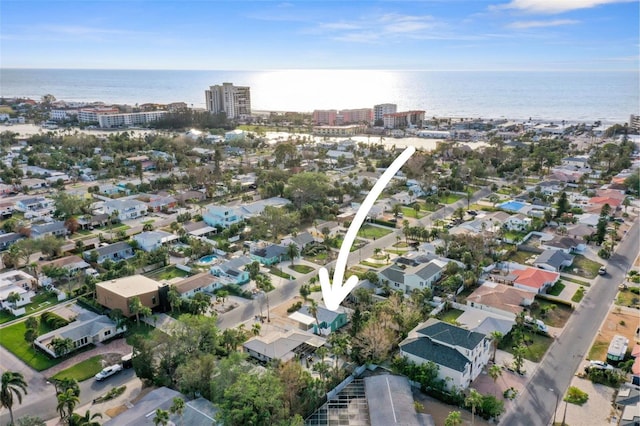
x,y
584,267
626,298
556,317
410,212
452,198
373,265
577,281
41,301
83,370
302,269
277,272
368,231
5,316
318,258
579,294
556,289
536,345
599,350
142,329
521,257
450,315
12,338
168,273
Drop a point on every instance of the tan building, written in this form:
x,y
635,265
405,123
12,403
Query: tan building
x,y
117,294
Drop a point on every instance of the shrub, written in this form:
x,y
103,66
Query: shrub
x,y
635,290
576,396
53,321
606,377
294,307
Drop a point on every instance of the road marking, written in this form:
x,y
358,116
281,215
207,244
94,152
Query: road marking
x,y
334,294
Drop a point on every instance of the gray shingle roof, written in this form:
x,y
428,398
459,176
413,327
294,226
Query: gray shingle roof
x,y
270,251
450,334
554,258
47,227
424,348
428,271
393,273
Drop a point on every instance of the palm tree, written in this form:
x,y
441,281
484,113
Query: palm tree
x,y
494,372
313,310
292,251
453,419
474,400
135,307
496,337
177,407
255,329
67,401
13,383
86,420
264,283
161,418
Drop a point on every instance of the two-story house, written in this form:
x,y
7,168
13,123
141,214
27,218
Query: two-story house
x,y
153,240
323,322
408,278
460,354
126,209
222,216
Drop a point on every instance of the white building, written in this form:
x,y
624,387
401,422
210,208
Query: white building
x,y
381,109
126,209
129,119
234,101
90,115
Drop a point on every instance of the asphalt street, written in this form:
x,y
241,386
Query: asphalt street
x,y
537,403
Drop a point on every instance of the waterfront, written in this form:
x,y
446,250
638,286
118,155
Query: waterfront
x,y
552,96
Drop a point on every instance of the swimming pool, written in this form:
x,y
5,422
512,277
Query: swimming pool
x,y
512,205
210,258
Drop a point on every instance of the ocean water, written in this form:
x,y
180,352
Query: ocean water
x,y
572,96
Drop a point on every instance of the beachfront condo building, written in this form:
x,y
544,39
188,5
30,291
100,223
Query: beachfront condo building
x,y
349,116
325,117
234,101
380,110
403,120
634,123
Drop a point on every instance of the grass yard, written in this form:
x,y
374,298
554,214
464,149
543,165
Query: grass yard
x,y
599,350
579,294
373,265
584,267
521,257
12,338
575,280
278,272
410,212
536,344
368,231
168,273
41,301
452,198
143,330
450,315
556,317
302,269
556,289
83,370
319,258
627,298
5,316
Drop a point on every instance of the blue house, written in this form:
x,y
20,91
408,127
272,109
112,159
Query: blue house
x,y
329,321
270,255
233,270
222,216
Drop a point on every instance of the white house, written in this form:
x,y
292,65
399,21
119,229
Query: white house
x,y
223,216
517,222
126,209
410,278
460,354
17,282
405,197
153,240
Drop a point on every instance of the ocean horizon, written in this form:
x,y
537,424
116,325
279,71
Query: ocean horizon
x,y
573,96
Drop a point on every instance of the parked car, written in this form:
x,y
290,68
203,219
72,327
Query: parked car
x,y
600,365
108,372
602,270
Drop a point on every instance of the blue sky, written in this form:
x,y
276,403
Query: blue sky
x,y
342,34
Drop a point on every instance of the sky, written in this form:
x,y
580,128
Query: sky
x,y
330,34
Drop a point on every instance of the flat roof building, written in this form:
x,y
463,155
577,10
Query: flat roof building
x,y
118,293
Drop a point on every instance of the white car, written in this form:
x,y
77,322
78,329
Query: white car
x,y
601,365
108,372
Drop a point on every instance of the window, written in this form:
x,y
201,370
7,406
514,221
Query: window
x,y
153,300
108,332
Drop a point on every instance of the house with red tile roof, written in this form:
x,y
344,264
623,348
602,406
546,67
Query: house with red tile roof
x,y
534,280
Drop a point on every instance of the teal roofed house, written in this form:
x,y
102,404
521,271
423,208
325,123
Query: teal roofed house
x,y
329,321
269,255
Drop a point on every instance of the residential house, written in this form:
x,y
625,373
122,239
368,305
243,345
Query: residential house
x,y
256,208
269,255
56,229
301,240
404,197
18,282
198,412
33,183
534,280
577,163
118,293
283,346
190,196
580,231
553,260
87,329
565,244
109,189
233,270
204,281
159,203
71,264
199,229
125,209
6,209
222,216
6,240
617,348
459,354
40,205
329,229
327,321
517,222
500,299
153,240
409,278
115,252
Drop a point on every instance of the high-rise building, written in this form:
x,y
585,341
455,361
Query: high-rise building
x,y
401,120
362,115
326,117
234,101
380,110
634,123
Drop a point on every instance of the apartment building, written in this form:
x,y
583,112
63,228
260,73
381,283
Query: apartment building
x,y
362,115
327,117
128,119
90,115
401,120
381,109
234,101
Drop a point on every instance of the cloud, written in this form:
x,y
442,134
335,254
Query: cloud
x,y
555,6
523,25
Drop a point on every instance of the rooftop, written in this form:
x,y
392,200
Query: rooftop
x,y
130,286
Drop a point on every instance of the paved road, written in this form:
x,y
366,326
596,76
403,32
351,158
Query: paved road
x,y
288,290
537,403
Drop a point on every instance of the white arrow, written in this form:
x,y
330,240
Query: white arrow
x,y
335,294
